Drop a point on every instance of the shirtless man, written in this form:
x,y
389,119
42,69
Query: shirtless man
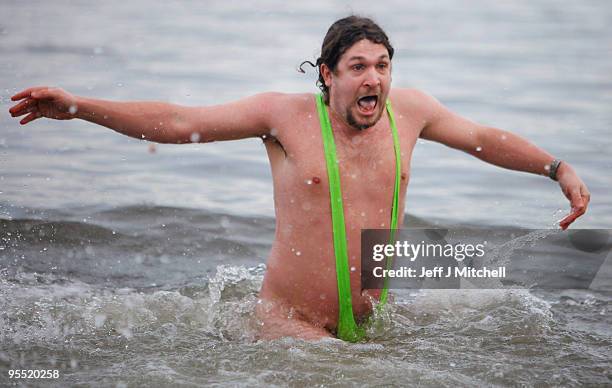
x,y
299,296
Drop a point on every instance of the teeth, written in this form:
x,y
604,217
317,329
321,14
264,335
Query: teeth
x,y
368,102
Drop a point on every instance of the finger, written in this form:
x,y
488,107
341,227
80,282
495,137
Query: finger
x,y
29,109
22,105
31,117
586,196
564,223
576,201
26,93
42,93
576,212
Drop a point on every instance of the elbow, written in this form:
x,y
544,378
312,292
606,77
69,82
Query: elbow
x,y
179,130
168,135
482,140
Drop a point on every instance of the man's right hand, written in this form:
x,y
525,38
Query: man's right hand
x,y
42,101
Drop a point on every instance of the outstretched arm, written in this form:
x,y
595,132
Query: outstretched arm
x,y
503,149
155,121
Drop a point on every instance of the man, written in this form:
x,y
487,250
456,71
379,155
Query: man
x,y
300,292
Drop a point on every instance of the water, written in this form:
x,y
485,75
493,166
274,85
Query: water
x,y
122,264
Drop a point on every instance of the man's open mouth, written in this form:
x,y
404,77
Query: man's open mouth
x,y
367,104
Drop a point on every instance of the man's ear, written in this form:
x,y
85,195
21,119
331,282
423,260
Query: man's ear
x,y
327,74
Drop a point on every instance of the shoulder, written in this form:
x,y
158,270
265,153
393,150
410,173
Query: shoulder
x,y
270,107
288,107
415,102
289,114
412,98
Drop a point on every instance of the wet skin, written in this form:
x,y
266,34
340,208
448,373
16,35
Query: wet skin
x,y
301,267
303,248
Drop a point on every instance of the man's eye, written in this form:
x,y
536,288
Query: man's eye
x,y
358,67
382,65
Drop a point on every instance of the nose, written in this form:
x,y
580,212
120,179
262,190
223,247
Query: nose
x,y
371,78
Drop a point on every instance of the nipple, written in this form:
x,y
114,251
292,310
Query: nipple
x,y
403,176
316,180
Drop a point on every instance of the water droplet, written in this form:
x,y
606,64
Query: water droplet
x,y
547,167
274,132
452,364
73,109
99,320
479,148
225,222
353,269
309,182
195,137
125,331
323,296
363,214
264,136
298,253
504,137
119,84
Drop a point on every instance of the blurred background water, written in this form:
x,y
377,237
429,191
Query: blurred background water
x,y
123,266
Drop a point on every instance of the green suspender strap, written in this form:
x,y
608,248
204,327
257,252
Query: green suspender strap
x,y
347,328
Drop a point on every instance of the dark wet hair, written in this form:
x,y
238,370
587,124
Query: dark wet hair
x,y
341,36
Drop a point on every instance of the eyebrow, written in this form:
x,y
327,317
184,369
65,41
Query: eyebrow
x,y
359,57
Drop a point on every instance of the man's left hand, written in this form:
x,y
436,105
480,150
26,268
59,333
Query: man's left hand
x,y
575,190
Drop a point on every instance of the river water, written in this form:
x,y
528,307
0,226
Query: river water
x,y
127,264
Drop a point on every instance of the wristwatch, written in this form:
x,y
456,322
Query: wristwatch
x,y
553,167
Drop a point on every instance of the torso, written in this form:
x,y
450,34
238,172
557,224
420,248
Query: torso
x,y
301,271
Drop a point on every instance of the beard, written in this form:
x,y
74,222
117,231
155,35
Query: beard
x,y
360,126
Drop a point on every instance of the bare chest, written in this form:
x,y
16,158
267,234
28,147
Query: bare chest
x,y
366,162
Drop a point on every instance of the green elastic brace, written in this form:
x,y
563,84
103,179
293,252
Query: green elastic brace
x,y
348,329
